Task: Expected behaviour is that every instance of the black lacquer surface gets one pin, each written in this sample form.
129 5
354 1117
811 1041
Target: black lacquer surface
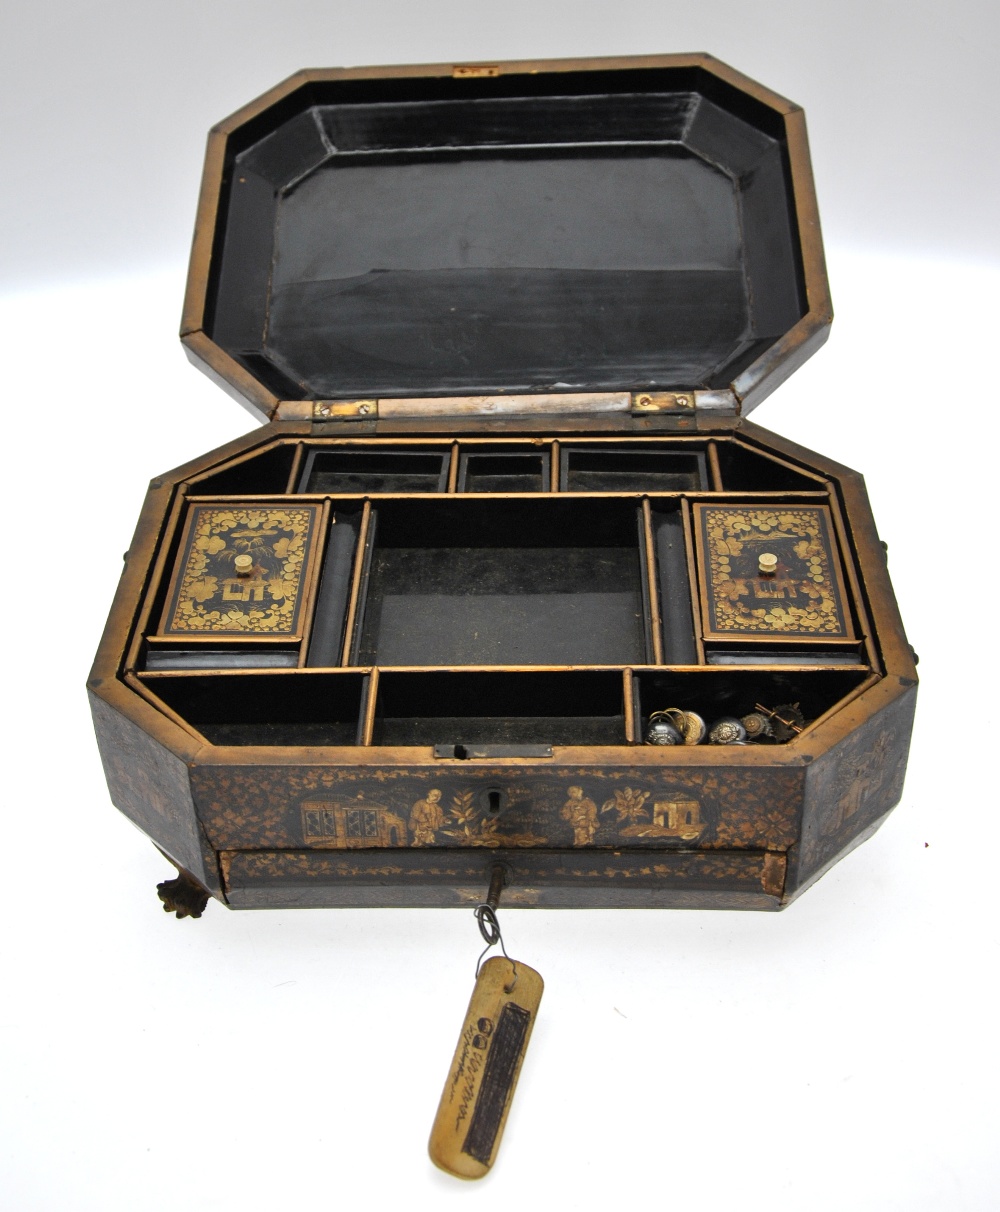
543 582
462 242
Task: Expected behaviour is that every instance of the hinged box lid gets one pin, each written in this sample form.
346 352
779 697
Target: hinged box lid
563 236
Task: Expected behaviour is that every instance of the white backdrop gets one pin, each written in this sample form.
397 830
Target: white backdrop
841 1054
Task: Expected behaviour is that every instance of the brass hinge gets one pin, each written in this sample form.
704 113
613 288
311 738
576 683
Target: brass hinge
471 71
345 410
663 401
720 400
326 410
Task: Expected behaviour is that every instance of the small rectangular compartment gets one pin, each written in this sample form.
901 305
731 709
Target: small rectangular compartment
716 692
568 707
744 469
267 472
631 469
503 471
293 708
345 470
479 581
673 583
326 641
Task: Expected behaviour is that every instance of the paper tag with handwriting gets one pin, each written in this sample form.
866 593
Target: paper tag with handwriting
480 1086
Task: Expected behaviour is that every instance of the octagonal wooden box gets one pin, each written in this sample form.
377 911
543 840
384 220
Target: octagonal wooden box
504 324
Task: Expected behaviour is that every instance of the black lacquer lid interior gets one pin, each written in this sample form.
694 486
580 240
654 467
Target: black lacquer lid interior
576 231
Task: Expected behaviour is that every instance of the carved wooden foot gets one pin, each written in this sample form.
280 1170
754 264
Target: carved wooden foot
183 896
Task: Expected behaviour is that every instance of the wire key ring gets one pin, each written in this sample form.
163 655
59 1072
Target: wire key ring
489 926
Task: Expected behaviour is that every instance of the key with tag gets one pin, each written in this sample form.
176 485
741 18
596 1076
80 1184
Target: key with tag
480 1087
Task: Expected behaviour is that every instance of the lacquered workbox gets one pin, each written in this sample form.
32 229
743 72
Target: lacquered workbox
506 576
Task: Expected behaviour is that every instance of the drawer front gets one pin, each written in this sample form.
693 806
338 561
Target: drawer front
543 878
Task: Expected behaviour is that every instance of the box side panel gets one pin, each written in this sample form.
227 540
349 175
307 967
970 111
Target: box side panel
651 809
850 789
151 786
268 879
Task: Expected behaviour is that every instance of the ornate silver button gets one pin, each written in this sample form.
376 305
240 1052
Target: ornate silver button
727 731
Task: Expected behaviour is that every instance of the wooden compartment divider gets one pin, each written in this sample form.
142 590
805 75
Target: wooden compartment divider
714 470
628 690
296 470
692 579
361 559
737 495
652 583
369 706
453 468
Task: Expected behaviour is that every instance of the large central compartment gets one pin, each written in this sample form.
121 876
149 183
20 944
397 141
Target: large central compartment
504 582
